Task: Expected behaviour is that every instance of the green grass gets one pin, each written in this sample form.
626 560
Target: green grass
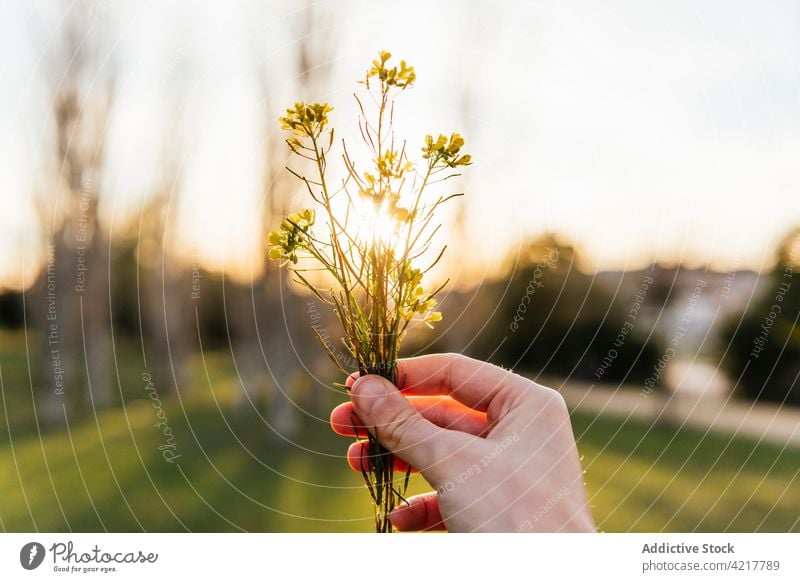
234 472
231 475
106 473
662 478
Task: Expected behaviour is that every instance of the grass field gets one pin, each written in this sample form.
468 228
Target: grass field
233 473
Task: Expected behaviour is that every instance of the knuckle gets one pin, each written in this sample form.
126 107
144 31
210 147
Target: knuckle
543 400
454 362
553 400
455 359
399 432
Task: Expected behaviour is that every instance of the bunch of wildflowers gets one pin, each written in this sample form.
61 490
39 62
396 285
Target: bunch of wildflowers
374 241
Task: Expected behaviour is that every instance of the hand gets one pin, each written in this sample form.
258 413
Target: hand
497 448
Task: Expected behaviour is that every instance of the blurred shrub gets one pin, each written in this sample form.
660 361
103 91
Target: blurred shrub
12 310
558 320
548 317
763 343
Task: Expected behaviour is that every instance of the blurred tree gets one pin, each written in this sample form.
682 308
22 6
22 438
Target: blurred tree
72 293
164 286
763 343
268 346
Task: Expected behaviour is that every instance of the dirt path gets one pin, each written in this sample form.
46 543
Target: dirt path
768 422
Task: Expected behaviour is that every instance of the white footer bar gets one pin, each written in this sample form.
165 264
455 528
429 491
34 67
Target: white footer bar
401 557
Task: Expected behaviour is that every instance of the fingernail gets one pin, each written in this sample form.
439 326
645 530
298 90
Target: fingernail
370 393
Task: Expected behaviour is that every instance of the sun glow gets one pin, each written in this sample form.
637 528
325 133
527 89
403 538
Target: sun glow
374 224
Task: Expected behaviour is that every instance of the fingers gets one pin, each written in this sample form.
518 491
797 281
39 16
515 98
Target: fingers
402 429
421 513
471 382
359 459
442 411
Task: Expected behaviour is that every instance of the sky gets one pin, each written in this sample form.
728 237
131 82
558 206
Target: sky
640 130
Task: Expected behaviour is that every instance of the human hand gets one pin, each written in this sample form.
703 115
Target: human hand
497 447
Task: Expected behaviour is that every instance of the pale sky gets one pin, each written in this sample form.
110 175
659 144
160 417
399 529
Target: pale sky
640 129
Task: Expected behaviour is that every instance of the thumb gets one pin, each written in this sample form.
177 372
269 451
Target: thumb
399 427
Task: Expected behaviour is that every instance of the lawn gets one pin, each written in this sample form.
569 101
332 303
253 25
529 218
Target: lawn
661 478
234 473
